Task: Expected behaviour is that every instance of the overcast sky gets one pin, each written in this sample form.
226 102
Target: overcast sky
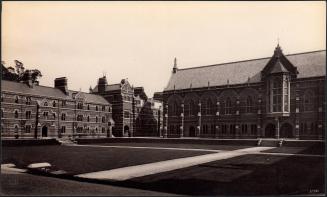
139 40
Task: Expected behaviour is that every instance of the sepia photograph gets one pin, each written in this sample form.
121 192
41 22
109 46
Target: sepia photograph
163 98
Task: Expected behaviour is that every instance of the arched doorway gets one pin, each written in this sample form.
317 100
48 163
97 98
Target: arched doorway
192 131
44 131
126 131
286 131
270 130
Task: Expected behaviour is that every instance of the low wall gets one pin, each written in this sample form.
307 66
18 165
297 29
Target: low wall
28 142
234 142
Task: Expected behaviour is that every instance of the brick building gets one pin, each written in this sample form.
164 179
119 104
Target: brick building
277 97
29 110
134 113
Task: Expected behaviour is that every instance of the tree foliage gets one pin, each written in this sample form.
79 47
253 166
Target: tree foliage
20 74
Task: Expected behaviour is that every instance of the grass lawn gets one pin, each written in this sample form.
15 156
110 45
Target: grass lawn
243 175
170 145
78 159
33 185
313 150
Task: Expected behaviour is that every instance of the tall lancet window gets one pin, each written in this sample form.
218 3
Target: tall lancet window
279 94
286 92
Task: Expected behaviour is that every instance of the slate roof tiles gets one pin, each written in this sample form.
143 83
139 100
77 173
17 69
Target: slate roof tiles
310 64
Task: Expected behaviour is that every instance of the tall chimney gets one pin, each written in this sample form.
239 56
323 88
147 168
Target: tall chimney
61 84
102 83
29 80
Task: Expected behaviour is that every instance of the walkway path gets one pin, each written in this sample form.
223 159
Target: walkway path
152 147
126 173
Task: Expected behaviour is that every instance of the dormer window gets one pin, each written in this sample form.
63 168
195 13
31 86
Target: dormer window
278 73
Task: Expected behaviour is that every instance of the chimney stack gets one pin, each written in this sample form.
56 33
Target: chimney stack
29 80
61 84
102 83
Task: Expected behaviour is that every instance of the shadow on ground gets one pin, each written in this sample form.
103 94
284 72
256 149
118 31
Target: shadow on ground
243 175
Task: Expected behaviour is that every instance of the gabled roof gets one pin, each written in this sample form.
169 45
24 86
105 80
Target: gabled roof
309 64
110 87
278 68
139 91
39 90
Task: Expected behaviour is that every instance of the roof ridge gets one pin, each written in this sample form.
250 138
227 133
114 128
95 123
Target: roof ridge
113 84
220 64
43 86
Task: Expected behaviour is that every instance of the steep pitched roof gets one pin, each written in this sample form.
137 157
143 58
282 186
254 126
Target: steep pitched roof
309 64
278 68
48 92
110 87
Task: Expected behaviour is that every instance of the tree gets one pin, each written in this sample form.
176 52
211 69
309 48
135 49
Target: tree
21 74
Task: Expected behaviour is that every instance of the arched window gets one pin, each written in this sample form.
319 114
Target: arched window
27 128
16 114
28 114
96 119
244 129
54 104
210 107
79 117
79 105
187 109
204 107
28 100
228 106
88 107
16 129
103 119
194 108
63 116
176 109
63 129
249 105
16 99
88 118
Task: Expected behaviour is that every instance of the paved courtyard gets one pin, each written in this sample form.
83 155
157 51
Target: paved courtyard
185 169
